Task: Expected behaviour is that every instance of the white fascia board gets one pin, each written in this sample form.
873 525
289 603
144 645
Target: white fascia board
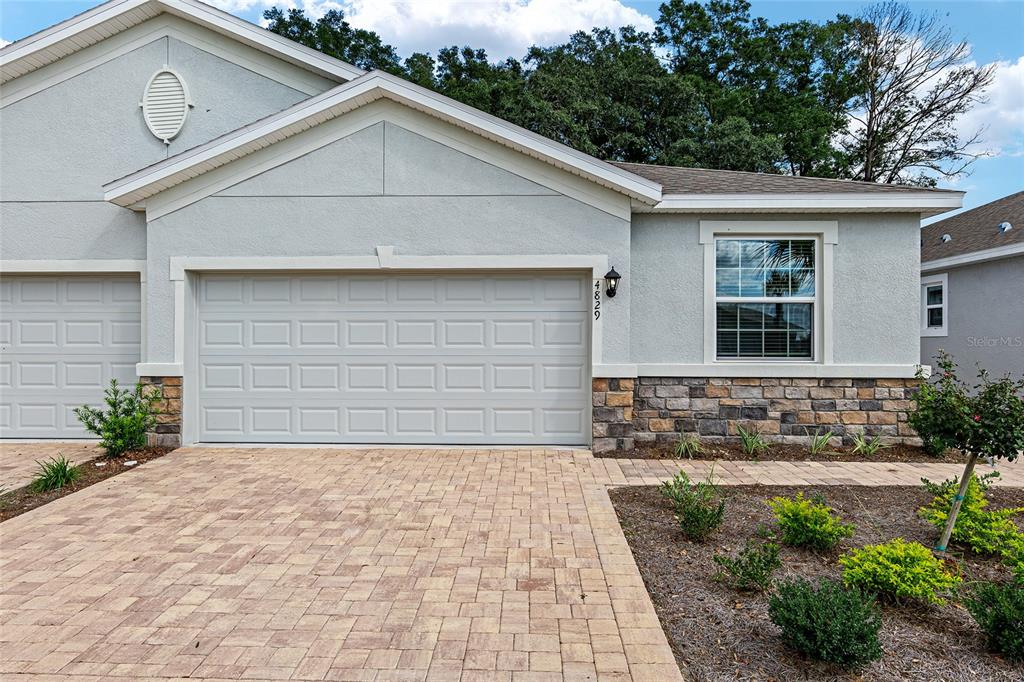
976 257
135 188
925 203
60 40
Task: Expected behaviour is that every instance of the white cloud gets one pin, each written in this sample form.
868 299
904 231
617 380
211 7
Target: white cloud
505 28
4 43
1002 116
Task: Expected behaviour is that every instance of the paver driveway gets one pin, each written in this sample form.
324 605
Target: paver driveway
332 564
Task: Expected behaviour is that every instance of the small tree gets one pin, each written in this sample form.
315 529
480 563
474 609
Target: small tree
987 421
130 414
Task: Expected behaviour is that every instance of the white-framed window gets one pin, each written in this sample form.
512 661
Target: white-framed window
766 297
935 305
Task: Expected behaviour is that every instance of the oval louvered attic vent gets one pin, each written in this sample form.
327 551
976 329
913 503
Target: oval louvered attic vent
165 104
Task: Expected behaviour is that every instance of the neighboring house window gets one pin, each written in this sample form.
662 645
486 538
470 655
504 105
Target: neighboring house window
934 305
765 297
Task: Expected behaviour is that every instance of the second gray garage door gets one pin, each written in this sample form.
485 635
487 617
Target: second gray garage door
454 359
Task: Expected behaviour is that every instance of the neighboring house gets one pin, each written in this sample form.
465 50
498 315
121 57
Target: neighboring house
299 251
972 288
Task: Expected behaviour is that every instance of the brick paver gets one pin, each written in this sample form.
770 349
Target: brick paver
330 564
18 460
352 565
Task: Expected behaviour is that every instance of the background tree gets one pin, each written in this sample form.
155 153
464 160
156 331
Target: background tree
334 36
871 98
916 82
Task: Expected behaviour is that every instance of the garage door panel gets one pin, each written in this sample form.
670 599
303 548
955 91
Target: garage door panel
402 293
63 339
405 359
398 376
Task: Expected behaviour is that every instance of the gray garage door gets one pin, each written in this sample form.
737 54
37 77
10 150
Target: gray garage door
397 359
62 339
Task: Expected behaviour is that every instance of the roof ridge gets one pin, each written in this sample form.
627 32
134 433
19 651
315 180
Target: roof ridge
783 175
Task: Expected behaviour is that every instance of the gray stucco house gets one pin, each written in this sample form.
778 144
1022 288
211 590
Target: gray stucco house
300 251
972 288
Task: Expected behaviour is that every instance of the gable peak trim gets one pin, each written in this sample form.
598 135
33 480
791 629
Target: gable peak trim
93 26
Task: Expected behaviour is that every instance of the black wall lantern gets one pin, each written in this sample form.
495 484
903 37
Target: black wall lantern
612 278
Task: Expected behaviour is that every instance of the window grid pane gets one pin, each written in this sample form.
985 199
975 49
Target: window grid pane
765 269
775 330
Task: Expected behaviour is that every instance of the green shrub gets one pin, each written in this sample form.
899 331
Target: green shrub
54 473
999 612
752 441
750 570
983 530
863 446
898 570
688 446
699 507
808 523
827 622
986 420
123 426
819 442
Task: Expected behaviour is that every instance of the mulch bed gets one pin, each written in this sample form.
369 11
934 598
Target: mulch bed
785 452
717 633
21 500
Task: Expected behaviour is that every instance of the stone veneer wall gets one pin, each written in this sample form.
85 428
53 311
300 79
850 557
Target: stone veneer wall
168 421
631 411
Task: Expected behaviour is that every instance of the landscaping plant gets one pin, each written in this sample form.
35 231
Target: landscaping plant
699 507
819 442
999 612
54 473
827 621
752 441
129 415
688 445
751 569
983 530
808 523
898 570
987 421
863 446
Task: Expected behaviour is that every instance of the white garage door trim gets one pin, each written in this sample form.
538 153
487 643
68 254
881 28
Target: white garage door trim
281 357
65 335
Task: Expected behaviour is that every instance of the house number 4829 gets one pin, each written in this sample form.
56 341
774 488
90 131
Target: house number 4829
597 299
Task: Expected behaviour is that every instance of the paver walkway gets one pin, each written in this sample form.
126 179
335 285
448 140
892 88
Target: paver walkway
18 460
349 565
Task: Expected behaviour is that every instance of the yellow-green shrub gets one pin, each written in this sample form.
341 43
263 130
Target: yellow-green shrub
898 569
983 530
808 523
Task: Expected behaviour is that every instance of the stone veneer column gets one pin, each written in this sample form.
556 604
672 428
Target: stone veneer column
168 422
613 414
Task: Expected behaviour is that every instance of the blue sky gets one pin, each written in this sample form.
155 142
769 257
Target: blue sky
995 29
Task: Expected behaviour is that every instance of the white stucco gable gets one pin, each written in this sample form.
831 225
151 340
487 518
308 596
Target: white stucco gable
465 128
62 40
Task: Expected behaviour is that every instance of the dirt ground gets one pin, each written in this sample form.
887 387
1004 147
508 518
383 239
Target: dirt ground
21 500
717 633
716 450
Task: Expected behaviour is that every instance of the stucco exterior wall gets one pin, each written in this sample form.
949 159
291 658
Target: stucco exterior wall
385 186
59 145
875 287
986 318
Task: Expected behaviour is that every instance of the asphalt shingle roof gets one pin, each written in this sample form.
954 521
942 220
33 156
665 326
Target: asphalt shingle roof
679 180
975 230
